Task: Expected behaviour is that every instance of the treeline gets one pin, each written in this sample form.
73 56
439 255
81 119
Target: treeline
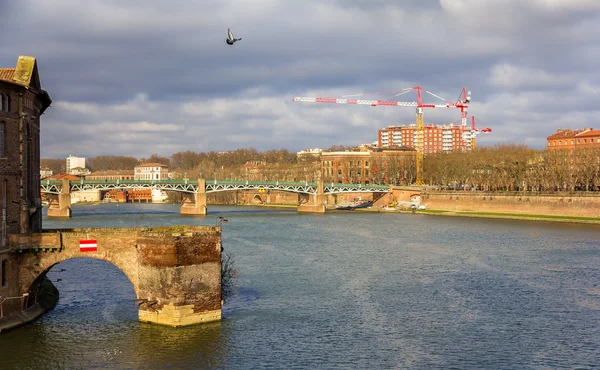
515 168
182 161
510 167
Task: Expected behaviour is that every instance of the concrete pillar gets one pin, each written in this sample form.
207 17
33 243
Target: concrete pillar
199 205
316 203
64 202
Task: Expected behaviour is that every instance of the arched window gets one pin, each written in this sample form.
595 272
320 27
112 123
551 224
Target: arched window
4 266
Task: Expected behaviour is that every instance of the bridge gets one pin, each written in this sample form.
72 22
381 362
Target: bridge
175 271
317 191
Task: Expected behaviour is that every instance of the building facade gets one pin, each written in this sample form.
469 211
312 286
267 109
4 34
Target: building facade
111 175
566 139
74 162
22 101
45 172
369 167
151 171
436 139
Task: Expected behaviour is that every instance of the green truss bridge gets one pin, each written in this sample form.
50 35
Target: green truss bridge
199 188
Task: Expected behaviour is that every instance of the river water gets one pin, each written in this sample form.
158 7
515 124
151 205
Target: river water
350 290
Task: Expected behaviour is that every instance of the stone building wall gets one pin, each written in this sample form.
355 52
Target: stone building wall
22 103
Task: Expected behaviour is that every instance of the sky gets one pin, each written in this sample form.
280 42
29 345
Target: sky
139 77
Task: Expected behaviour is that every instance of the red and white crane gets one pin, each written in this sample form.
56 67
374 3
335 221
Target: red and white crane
461 103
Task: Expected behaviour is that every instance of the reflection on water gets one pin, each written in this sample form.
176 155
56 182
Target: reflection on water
344 290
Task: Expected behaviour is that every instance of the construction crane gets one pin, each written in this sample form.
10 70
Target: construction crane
468 137
461 103
475 131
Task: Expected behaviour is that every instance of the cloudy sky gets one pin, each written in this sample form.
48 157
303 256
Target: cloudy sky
136 77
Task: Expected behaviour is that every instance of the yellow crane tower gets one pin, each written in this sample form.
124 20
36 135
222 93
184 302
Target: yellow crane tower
462 103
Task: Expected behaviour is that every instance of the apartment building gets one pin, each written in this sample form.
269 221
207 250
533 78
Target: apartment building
74 162
436 138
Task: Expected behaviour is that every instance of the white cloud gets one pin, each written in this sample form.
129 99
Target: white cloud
509 76
144 75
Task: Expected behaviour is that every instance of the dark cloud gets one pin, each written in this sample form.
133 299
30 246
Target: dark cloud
140 77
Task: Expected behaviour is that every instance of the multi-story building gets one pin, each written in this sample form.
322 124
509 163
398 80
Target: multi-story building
369 167
22 101
151 171
45 172
74 162
436 139
574 139
309 153
111 175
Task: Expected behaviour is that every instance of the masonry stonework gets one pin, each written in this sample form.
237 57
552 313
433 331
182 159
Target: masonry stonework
565 205
175 271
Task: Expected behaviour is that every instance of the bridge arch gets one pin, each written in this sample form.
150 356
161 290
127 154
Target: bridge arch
44 261
256 199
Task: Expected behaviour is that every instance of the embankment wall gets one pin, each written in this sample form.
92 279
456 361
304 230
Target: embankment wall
564 205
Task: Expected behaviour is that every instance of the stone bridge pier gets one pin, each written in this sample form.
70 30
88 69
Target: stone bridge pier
199 205
316 202
63 208
175 271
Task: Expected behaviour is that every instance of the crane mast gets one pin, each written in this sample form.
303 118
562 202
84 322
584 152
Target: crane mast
462 103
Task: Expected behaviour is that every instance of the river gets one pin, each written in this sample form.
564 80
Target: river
352 290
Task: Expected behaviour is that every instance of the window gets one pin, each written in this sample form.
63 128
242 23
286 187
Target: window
4 266
2 131
5 102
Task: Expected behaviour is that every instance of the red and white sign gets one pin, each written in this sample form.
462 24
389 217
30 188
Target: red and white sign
88 245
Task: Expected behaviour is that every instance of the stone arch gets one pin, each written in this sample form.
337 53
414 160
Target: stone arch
257 199
46 260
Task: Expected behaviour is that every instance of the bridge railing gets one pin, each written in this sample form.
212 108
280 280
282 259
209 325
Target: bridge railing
265 184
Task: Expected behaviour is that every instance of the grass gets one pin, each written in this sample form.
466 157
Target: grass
516 215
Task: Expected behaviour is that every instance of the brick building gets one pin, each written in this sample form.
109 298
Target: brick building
436 138
22 101
562 139
369 167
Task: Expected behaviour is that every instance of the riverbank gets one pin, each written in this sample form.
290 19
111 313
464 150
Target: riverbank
482 214
47 300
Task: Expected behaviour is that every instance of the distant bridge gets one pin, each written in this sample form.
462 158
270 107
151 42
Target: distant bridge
210 186
199 188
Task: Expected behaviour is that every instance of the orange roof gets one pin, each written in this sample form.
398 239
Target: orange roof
591 133
60 176
7 74
152 165
564 134
112 172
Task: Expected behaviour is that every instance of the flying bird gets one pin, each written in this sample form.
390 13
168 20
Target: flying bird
230 39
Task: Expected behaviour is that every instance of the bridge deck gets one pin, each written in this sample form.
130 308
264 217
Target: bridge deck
191 186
